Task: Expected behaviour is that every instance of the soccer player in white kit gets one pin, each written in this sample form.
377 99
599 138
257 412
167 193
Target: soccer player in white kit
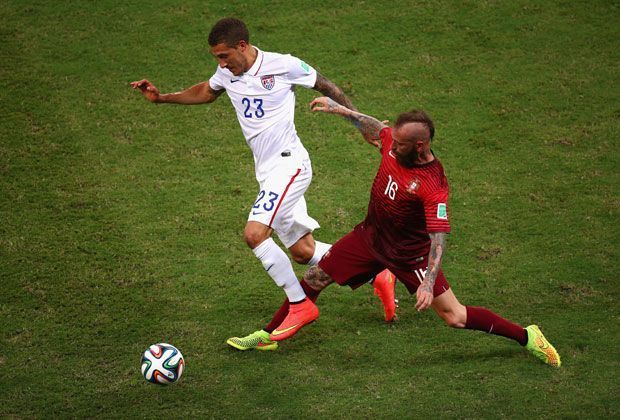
261 87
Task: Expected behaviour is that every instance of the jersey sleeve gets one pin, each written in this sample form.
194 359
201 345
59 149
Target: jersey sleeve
386 139
300 73
436 212
216 81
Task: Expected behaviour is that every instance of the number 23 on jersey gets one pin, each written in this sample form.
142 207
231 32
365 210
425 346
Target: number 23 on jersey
253 108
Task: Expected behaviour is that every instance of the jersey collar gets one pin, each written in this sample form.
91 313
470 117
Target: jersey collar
253 71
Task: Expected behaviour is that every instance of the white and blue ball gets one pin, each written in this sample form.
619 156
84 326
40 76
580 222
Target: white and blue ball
162 364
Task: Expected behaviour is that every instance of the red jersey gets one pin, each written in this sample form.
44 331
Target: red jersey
406 204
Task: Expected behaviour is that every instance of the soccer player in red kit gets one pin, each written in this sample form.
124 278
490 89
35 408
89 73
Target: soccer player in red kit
404 231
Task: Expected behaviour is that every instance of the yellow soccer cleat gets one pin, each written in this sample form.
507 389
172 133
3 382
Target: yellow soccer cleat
258 340
541 348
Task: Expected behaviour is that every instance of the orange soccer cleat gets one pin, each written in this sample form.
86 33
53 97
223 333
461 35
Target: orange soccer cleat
299 315
384 285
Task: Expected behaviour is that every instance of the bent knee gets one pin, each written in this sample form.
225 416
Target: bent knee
252 240
254 237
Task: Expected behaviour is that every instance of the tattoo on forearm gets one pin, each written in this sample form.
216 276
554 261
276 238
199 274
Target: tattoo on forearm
438 243
367 125
329 89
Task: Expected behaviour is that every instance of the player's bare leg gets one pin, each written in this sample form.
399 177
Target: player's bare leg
450 309
308 250
457 315
274 259
304 249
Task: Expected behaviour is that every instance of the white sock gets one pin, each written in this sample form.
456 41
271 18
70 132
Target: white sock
279 267
320 249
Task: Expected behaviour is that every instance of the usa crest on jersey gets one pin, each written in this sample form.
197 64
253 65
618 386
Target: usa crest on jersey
268 82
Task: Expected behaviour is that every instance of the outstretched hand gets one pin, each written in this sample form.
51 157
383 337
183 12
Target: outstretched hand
148 89
324 104
368 126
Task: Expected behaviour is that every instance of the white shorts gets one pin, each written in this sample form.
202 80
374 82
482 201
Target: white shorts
281 205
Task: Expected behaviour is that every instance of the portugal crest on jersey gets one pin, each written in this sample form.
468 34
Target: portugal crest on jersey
268 82
413 186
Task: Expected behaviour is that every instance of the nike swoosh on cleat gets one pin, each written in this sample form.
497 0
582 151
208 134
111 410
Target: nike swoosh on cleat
542 343
278 332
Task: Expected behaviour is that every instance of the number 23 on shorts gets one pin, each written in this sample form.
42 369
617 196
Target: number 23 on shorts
265 203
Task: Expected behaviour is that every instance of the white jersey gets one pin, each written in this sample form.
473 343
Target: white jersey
264 99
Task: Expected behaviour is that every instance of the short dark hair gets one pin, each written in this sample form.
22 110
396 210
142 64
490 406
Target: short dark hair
416 116
229 31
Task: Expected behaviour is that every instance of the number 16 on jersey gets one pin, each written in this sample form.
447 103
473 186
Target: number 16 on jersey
391 188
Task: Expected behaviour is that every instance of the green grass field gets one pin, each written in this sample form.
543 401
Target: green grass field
121 221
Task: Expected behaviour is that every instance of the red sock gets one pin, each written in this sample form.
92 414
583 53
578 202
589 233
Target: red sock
283 311
482 319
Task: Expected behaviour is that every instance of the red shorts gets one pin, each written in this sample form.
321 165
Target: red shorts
351 262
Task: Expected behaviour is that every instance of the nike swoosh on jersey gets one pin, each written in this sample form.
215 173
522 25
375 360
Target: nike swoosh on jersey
391 154
254 213
278 332
235 80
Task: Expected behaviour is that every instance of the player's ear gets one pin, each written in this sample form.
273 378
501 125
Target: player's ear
421 145
242 45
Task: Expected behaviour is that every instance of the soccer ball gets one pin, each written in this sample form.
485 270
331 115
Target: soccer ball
162 364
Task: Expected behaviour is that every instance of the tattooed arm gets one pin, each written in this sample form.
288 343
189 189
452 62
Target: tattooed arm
370 127
329 89
424 295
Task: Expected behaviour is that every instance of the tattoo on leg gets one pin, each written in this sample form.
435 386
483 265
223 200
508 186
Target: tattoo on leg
317 278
